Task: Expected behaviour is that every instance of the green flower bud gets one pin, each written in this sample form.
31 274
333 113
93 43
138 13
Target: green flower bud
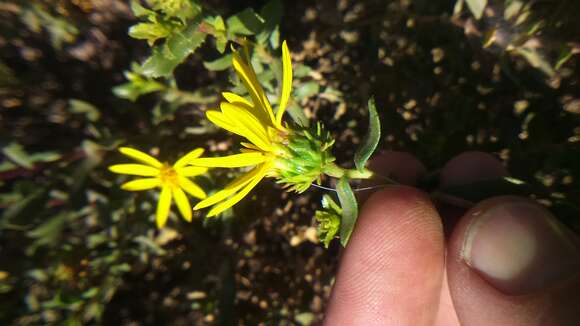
303 156
328 220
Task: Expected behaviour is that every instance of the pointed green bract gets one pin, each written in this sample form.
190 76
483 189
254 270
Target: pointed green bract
371 140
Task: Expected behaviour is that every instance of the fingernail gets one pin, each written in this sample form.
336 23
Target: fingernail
519 247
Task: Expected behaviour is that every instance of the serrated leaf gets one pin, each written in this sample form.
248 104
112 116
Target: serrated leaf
349 209
476 7
174 51
371 140
219 64
246 22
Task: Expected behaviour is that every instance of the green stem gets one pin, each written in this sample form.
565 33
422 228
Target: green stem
336 171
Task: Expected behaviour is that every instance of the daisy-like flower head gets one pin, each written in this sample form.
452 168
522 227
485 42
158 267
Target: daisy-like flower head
173 180
272 148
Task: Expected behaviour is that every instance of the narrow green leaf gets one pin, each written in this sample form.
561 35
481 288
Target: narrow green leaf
297 115
349 209
476 7
219 64
139 10
371 140
306 90
174 51
16 153
82 107
246 22
272 13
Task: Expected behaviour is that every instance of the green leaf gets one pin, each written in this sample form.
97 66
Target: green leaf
82 107
349 209
537 60
219 64
476 7
246 22
272 13
297 115
137 86
371 139
49 232
16 153
139 10
306 90
150 32
174 51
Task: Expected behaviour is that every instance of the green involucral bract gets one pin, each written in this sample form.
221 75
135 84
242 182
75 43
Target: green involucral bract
304 157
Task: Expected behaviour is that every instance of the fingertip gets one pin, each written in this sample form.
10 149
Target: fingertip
511 263
391 270
469 167
403 167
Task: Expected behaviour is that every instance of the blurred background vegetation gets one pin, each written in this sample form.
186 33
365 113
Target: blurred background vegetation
78 78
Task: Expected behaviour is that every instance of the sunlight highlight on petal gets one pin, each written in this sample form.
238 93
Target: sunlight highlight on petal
140 156
249 126
191 171
191 188
134 169
230 161
248 77
235 98
229 190
163 207
220 120
286 83
141 184
183 161
240 195
182 204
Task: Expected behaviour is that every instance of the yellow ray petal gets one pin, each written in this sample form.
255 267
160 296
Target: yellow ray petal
182 203
134 169
248 77
220 120
191 188
163 206
141 184
230 161
250 110
248 125
184 160
229 190
235 98
286 83
191 171
250 146
240 195
140 156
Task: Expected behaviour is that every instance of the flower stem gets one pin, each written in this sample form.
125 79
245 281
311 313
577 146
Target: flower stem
336 171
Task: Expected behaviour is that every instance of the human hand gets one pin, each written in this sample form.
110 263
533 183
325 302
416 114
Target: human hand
506 261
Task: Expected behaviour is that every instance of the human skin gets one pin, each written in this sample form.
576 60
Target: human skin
505 261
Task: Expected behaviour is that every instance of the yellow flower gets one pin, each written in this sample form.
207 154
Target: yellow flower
172 180
255 121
